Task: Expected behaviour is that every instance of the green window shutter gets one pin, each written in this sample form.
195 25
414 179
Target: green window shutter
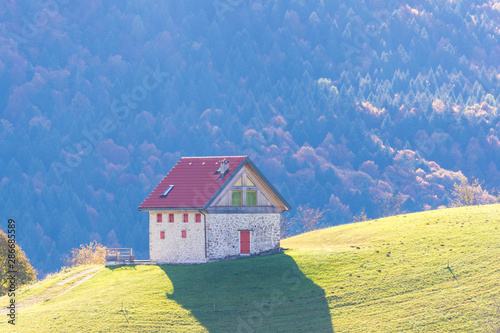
251 198
237 198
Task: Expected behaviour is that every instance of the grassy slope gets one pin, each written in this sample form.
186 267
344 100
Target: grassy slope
385 275
414 290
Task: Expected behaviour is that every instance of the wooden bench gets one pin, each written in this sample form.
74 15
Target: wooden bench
119 255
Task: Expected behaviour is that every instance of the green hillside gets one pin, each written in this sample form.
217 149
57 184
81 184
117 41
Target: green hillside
435 271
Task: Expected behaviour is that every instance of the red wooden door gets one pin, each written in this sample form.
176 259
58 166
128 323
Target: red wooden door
244 242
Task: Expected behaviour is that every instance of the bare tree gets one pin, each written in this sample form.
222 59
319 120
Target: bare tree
465 193
389 204
286 225
310 218
471 193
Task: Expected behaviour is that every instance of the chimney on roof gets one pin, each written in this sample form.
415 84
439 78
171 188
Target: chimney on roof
224 168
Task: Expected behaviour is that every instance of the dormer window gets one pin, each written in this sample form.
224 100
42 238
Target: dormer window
167 191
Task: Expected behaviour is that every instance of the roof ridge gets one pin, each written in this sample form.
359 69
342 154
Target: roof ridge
214 156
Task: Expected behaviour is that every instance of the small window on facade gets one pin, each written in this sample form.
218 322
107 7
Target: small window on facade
167 191
198 218
249 182
237 198
159 218
238 182
162 234
251 198
186 217
171 218
183 233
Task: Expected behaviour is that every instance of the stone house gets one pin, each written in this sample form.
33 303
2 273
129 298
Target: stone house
210 208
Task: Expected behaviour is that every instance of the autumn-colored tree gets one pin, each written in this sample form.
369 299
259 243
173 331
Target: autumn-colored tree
24 272
361 217
88 254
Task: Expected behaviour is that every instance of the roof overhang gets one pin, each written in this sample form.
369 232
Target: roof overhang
285 203
261 175
145 209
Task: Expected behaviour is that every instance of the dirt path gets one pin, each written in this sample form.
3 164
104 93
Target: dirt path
95 270
71 278
47 294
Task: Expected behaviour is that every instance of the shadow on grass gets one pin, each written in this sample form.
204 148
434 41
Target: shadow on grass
120 267
261 294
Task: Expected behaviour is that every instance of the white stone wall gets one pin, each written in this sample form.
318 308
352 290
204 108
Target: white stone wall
174 248
224 237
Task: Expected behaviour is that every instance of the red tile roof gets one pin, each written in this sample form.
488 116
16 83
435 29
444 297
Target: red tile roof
195 182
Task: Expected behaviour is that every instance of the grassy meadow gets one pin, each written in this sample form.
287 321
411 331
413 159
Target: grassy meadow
436 271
